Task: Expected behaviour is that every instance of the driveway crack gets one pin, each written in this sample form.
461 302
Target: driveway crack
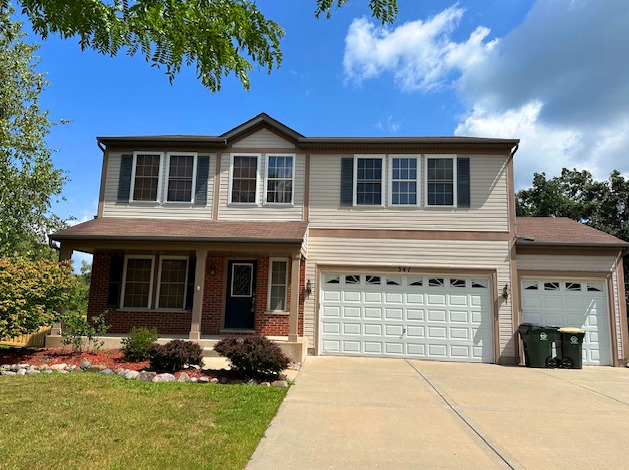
502 455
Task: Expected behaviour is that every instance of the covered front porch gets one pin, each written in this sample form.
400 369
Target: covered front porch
195 280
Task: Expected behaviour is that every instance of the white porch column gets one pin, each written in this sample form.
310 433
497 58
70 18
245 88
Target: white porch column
293 318
65 253
197 302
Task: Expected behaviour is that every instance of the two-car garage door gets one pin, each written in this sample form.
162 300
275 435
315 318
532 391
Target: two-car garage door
437 317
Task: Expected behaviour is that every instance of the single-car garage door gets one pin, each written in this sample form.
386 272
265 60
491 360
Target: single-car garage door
437 317
576 303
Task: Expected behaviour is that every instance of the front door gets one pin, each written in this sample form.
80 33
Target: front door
241 295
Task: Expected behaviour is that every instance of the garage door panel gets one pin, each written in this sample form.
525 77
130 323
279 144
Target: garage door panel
331 296
382 318
572 304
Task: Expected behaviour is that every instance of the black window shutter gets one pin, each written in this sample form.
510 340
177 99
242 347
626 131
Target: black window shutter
116 264
463 182
347 181
192 265
203 169
124 181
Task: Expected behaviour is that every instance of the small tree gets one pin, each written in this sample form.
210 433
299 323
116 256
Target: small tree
30 291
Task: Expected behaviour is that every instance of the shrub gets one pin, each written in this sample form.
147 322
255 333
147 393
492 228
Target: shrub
78 327
136 347
253 356
173 355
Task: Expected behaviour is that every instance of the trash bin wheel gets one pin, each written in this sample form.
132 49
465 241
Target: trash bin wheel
566 363
551 363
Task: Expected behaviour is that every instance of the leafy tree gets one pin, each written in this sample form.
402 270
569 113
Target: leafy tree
79 295
30 291
576 194
220 36
28 179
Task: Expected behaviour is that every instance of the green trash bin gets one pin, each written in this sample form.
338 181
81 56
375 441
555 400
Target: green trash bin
540 346
524 330
570 347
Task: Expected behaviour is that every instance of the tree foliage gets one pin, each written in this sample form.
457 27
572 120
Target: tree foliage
30 291
218 36
28 179
603 205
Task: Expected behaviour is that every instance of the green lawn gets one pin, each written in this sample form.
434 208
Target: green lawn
92 421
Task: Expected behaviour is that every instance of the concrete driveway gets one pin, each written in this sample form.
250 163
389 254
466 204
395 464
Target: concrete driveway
357 413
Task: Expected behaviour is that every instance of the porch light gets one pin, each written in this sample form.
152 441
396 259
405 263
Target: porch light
212 270
308 287
505 291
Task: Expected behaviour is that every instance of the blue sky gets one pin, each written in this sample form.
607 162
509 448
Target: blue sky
553 73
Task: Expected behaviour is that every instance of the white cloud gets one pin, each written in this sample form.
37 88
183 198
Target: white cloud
420 54
559 81
391 125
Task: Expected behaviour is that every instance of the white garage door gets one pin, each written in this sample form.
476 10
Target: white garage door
576 303
429 317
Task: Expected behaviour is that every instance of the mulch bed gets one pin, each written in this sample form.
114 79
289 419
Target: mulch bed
112 358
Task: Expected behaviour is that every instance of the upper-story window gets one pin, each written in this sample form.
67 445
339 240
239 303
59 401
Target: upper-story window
368 181
280 176
181 177
441 181
244 178
404 180
146 176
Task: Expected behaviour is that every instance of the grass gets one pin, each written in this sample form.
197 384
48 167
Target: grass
92 421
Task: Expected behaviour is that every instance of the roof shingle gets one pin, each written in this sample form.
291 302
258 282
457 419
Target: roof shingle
561 231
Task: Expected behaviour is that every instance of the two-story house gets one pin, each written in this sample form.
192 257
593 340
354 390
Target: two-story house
401 247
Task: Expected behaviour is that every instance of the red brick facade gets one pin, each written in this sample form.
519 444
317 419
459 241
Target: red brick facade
178 322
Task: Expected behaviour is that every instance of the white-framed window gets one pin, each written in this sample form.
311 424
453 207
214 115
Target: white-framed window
181 173
404 180
244 170
279 184
146 176
137 281
440 180
278 285
172 281
368 180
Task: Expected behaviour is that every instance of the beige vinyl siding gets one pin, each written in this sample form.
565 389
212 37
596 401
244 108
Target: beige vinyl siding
488 211
261 211
604 264
264 138
565 263
418 255
112 208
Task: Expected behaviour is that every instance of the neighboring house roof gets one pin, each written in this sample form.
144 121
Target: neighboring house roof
119 228
561 231
263 120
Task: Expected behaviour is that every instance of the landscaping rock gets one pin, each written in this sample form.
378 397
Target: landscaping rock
5 366
280 384
61 366
85 365
251 382
44 367
8 372
131 375
214 380
32 371
164 378
21 372
23 366
96 368
106 371
121 372
266 384
193 380
46 371
204 380
63 371
144 376
183 377
223 380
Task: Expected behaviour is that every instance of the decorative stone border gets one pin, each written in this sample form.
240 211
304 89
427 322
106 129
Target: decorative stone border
143 375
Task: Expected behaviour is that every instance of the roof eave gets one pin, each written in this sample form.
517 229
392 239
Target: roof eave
143 238
567 244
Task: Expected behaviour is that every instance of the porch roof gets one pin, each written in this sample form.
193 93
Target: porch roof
119 228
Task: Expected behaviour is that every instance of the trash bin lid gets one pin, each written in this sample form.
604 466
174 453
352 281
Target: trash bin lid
571 330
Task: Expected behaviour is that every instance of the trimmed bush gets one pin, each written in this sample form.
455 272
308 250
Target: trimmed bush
136 347
253 356
173 355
